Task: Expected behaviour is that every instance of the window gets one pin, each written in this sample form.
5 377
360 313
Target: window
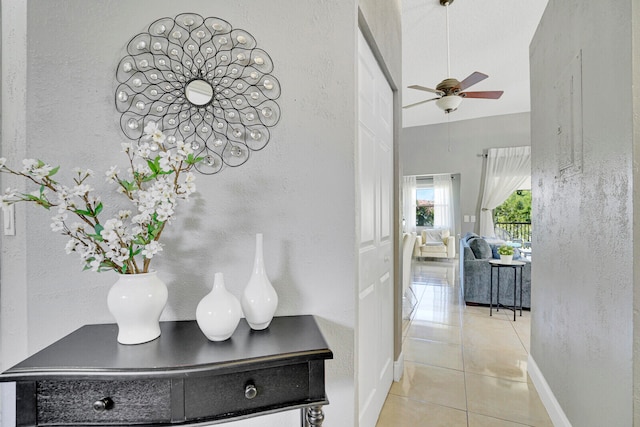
424 203
512 218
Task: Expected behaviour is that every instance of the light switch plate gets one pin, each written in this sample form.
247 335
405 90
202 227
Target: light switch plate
9 220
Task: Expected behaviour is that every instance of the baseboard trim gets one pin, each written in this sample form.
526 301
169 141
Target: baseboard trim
398 367
549 400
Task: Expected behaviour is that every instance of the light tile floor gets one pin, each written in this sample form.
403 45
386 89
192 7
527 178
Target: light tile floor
462 367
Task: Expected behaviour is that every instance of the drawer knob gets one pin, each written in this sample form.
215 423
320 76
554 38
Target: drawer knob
103 404
250 391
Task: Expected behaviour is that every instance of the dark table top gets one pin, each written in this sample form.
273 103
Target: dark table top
181 350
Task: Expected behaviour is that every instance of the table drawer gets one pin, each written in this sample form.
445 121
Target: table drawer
131 402
226 395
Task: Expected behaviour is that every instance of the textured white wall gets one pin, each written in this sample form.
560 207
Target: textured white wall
582 317
457 147
299 191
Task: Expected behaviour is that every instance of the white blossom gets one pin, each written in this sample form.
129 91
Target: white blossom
112 230
29 164
36 168
71 246
152 197
164 211
153 130
58 222
144 150
183 150
83 172
77 227
81 190
112 173
8 197
167 161
127 147
151 249
141 219
94 265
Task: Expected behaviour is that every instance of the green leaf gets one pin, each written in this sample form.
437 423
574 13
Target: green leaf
98 209
193 160
129 186
83 212
54 171
139 241
154 165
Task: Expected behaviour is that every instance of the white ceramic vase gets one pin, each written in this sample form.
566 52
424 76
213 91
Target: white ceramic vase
506 258
136 301
219 312
259 299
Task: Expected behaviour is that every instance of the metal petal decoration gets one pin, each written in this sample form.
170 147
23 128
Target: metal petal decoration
205 83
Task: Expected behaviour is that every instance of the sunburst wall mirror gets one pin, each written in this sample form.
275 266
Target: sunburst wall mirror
205 83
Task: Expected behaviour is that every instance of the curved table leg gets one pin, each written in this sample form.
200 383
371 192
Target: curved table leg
313 416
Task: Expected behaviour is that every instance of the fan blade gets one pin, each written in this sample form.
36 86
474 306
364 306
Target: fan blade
471 80
492 94
419 103
426 89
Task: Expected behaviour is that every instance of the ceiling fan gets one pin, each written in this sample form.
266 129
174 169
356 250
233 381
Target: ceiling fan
450 91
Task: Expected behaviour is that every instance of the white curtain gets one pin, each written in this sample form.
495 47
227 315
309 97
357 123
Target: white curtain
508 170
443 202
409 203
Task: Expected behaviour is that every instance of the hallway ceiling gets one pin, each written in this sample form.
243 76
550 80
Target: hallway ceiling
488 36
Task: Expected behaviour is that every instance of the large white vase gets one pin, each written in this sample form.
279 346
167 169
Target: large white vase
259 299
219 312
136 301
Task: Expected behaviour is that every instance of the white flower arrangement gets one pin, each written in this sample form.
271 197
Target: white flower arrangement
158 176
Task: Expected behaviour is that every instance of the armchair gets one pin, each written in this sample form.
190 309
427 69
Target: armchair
435 243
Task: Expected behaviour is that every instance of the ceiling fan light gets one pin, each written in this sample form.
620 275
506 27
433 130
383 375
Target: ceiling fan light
449 103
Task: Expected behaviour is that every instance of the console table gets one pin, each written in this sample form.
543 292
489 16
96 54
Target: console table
181 378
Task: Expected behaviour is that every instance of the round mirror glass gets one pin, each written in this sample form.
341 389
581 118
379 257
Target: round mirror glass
199 92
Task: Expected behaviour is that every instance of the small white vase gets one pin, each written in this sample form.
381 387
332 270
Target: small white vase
219 312
137 301
259 299
506 258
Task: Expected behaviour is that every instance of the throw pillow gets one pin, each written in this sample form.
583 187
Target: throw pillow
480 248
469 235
433 236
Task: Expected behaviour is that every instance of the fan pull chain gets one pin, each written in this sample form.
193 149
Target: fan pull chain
448 133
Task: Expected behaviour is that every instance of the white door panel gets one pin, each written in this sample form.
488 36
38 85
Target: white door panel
366 158
375 276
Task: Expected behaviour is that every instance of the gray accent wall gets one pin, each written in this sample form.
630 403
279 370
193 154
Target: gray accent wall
585 208
58 95
457 148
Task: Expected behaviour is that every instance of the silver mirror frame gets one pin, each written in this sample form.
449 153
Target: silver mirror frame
204 83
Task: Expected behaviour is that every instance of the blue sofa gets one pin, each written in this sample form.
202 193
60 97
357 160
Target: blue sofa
475 274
